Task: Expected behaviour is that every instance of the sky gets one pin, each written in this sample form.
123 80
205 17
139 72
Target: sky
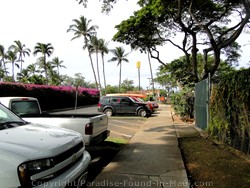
47 21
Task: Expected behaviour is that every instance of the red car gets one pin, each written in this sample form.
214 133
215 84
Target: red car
142 101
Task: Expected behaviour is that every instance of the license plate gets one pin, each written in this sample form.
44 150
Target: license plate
82 180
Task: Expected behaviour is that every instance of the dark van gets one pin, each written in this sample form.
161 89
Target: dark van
112 105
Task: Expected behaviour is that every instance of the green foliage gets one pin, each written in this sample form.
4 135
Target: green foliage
112 89
183 102
127 85
230 110
180 71
204 26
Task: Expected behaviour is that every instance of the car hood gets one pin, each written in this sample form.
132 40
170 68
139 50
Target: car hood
35 141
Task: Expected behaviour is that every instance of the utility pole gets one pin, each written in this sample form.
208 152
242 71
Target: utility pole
138 66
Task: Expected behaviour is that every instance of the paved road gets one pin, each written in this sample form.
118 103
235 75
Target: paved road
125 127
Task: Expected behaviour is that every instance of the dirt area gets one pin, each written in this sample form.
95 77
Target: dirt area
213 164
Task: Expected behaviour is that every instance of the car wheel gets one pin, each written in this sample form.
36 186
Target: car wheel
109 112
142 113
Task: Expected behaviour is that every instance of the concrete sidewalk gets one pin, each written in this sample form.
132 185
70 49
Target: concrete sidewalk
151 159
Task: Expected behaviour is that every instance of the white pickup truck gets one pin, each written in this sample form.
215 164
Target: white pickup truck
38 156
93 127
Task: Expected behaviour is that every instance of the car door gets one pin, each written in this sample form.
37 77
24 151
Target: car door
115 103
127 106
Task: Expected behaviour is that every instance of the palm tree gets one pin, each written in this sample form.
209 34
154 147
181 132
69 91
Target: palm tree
53 75
103 48
12 58
119 56
32 69
93 47
81 28
2 62
45 50
20 49
57 63
24 76
2 56
40 64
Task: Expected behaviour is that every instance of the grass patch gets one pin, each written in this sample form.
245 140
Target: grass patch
117 140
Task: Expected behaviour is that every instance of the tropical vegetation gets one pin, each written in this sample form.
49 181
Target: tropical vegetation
119 56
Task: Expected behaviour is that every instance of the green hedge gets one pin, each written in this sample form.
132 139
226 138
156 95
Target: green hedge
51 97
183 103
229 110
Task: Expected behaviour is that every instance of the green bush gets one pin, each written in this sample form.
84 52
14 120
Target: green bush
229 110
183 102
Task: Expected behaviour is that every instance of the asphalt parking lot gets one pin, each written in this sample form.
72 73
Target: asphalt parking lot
125 127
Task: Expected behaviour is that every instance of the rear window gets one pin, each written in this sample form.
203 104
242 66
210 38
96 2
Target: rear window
115 100
105 100
25 107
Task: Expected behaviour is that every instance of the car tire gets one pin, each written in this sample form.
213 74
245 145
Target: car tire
142 113
108 112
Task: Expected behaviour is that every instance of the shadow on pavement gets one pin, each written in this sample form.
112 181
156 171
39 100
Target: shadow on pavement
101 156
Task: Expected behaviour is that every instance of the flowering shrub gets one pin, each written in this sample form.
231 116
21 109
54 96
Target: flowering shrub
51 97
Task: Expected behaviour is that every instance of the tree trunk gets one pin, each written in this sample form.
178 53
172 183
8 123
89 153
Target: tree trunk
151 72
104 78
120 75
98 74
93 69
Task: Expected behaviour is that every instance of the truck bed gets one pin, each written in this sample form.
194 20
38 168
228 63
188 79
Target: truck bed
97 124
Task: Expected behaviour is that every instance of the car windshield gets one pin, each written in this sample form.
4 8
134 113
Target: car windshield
7 116
139 99
132 99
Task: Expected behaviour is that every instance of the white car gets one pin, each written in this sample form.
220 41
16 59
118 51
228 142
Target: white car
33 155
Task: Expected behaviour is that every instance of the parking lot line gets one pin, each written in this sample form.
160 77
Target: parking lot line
123 122
123 126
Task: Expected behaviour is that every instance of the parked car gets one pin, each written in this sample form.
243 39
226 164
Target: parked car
150 105
36 155
153 103
111 105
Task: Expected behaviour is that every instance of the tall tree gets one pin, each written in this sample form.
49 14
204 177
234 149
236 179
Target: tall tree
12 58
82 28
45 50
103 47
119 56
2 63
211 27
93 47
21 51
54 77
